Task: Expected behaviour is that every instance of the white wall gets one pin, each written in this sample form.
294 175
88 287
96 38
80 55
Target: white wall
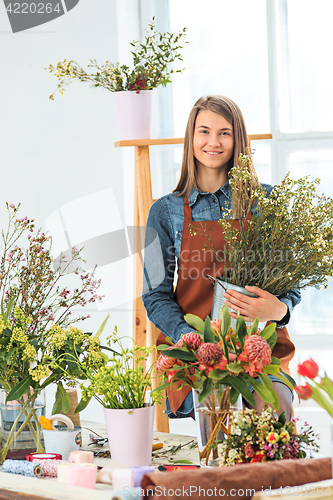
54 153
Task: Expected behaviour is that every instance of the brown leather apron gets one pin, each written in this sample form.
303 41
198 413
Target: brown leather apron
194 292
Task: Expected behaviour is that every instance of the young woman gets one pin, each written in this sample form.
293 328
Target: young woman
215 136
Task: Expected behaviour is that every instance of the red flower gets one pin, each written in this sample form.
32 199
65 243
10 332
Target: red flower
304 391
209 353
258 352
308 369
164 363
258 457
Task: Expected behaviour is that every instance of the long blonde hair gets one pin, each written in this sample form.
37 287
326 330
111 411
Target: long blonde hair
230 111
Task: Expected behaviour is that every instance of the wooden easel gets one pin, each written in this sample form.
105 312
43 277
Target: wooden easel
143 199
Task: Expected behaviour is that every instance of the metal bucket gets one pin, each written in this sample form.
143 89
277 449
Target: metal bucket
220 287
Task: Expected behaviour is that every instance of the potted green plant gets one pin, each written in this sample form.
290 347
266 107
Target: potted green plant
132 87
122 386
220 363
38 342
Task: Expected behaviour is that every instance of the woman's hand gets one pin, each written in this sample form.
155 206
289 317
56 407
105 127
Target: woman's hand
266 306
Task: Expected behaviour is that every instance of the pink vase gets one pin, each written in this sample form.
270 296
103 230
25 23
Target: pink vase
130 435
134 114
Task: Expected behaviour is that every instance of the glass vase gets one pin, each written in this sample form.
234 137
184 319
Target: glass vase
213 421
20 428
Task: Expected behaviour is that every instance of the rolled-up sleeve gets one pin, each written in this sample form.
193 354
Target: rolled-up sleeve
159 268
291 299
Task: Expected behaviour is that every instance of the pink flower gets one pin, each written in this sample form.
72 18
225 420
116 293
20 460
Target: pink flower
308 369
164 363
248 451
192 341
216 324
258 352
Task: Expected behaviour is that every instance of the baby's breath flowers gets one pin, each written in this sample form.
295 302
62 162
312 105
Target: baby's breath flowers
263 437
151 65
288 241
122 382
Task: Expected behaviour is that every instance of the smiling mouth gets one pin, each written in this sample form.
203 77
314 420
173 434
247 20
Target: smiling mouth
213 153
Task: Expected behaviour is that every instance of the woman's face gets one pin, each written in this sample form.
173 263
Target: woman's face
213 141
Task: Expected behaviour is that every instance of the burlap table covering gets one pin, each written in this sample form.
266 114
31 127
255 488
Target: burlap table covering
237 482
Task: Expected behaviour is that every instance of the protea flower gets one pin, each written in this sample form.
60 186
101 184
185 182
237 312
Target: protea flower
216 324
209 353
258 354
192 341
164 363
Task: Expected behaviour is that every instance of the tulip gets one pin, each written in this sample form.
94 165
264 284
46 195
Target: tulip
304 391
308 369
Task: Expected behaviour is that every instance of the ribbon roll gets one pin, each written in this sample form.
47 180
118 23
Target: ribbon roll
43 456
59 417
81 457
49 466
22 467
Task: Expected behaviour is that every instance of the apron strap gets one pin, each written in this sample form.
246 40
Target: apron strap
187 210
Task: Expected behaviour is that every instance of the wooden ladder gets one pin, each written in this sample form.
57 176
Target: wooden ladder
143 199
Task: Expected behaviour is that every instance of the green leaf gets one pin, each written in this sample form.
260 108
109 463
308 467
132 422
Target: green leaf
8 332
206 390
218 374
268 331
241 331
161 387
272 340
82 404
327 385
235 367
195 321
233 395
272 369
282 418
9 354
19 389
241 386
185 462
179 354
254 327
62 401
101 328
225 320
161 347
9 309
4 341
208 335
275 361
289 381
265 393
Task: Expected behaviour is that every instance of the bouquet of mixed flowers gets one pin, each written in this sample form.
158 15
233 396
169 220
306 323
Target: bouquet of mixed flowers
218 356
287 241
38 343
261 438
321 390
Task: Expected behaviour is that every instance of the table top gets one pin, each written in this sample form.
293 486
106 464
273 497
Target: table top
18 487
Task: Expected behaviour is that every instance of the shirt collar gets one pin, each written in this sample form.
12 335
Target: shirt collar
225 189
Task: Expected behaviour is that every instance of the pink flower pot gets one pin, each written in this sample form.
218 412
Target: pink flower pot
130 435
134 114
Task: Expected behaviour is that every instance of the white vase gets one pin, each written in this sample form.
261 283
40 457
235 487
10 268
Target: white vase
130 435
134 114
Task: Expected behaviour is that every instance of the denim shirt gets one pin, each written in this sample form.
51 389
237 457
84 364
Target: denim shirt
162 253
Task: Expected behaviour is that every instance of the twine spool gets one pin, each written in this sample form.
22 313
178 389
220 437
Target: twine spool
75 417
